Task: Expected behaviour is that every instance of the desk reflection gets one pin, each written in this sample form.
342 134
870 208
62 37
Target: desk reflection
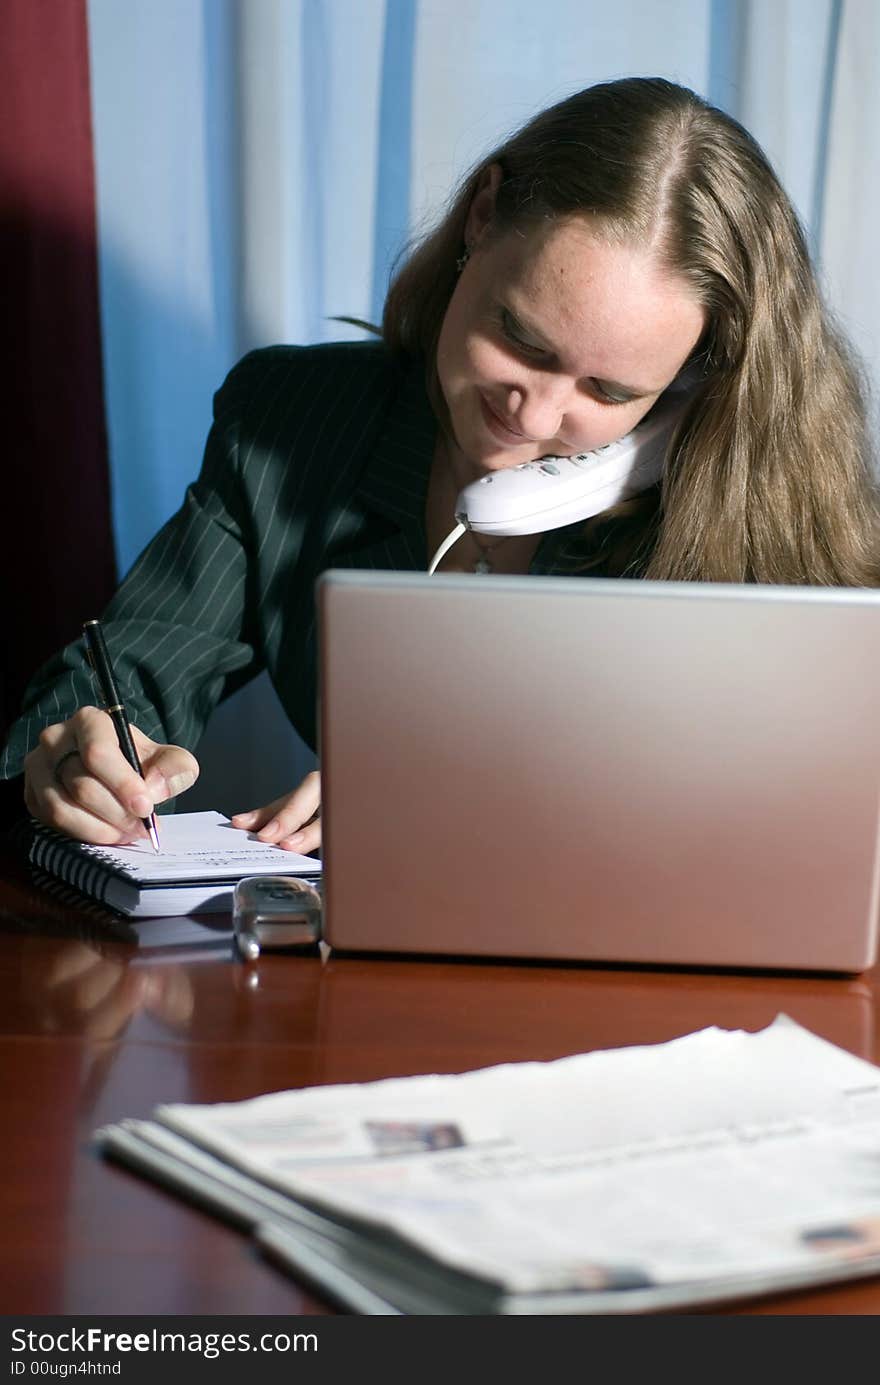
98 995
457 1016
95 1031
438 1012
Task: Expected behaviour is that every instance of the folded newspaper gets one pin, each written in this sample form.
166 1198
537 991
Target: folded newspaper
717 1166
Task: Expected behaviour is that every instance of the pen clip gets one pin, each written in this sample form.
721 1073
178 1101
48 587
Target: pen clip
100 691
97 694
97 690
88 647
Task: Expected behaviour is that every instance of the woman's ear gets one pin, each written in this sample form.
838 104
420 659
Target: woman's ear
482 207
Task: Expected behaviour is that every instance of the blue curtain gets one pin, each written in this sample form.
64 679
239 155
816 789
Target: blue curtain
260 164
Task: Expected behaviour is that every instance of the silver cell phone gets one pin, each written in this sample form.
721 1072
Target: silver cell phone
277 913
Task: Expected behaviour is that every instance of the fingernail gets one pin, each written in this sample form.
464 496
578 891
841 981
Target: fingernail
179 783
270 830
141 806
293 841
244 818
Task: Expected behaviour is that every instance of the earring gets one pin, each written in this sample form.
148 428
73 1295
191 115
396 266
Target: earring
463 258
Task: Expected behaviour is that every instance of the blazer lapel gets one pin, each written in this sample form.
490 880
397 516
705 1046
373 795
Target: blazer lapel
394 483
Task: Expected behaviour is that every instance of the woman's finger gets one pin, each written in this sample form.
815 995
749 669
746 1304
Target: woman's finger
78 781
278 821
77 805
169 770
305 840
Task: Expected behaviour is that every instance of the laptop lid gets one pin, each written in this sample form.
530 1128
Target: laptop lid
575 768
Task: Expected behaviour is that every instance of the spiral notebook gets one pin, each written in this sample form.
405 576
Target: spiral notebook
202 858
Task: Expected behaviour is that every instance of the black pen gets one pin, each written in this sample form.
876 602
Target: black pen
99 658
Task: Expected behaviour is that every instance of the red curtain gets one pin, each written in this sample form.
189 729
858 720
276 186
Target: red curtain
57 562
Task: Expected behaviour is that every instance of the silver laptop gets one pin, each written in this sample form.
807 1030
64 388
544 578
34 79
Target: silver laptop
603 771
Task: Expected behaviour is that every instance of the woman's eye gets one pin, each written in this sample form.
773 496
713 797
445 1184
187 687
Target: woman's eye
512 332
607 396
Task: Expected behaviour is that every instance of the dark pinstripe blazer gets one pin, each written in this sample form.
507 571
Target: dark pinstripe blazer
318 457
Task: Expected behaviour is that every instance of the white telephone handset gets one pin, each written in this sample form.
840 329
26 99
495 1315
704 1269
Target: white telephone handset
554 491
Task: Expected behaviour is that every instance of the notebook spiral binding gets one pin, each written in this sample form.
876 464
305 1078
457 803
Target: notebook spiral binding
62 858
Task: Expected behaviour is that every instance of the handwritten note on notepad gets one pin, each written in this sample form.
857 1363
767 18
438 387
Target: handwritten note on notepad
201 846
202 857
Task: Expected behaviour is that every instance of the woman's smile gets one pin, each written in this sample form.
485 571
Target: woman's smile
556 342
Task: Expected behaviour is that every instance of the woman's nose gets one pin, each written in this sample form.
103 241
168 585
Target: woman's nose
539 406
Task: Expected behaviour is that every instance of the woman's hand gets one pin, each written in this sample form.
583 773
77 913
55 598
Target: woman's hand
78 780
291 821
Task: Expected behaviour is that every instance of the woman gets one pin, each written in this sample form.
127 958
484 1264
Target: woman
628 236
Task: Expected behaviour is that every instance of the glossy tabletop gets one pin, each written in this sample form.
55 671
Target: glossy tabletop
93 1030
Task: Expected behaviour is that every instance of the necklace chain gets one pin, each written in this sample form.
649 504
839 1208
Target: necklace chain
483 563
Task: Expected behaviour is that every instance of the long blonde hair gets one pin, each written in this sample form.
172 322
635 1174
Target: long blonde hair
769 478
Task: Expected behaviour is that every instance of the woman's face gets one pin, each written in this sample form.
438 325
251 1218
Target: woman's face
556 342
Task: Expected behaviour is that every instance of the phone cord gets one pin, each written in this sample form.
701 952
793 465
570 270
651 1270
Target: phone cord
447 544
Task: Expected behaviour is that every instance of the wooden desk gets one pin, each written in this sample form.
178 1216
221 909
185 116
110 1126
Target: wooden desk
94 1031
